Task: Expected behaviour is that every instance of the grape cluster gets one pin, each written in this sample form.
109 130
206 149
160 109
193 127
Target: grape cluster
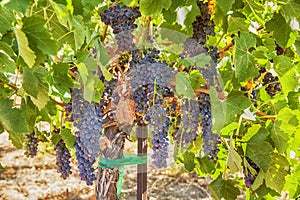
143 74
88 123
85 163
68 110
31 144
203 25
249 177
190 118
210 139
122 21
63 159
159 136
272 83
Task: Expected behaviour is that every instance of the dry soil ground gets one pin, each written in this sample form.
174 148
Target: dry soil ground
37 179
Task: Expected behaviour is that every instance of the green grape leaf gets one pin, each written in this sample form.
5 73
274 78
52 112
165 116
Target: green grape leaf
200 60
220 18
79 31
103 57
188 162
259 180
90 4
243 60
42 98
237 24
189 14
151 7
225 5
61 80
259 150
38 35
280 33
55 138
13 121
206 165
30 82
183 85
275 176
285 125
7 64
196 79
251 132
223 111
223 189
291 8
292 183
286 71
30 111
62 14
227 130
293 100
17 5
6 19
68 137
234 160
23 46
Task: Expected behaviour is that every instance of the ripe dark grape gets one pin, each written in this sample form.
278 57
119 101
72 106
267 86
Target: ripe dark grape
250 176
272 83
68 110
31 144
160 142
210 139
63 159
85 164
88 123
144 74
190 118
122 21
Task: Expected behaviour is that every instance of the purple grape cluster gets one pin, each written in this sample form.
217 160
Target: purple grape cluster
68 110
203 25
160 123
190 119
63 157
122 21
271 82
143 74
249 177
210 139
31 144
88 123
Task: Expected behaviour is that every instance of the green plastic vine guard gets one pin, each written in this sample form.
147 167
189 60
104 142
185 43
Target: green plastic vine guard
128 159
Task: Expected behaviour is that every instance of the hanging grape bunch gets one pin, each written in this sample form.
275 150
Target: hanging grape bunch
31 144
122 21
63 157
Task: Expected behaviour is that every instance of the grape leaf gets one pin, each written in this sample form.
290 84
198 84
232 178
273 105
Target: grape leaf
223 189
243 60
61 80
68 137
237 24
280 33
294 101
223 111
30 82
79 31
38 35
259 150
17 5
13 121
286 71
42 98
200 60
30 111
189 163
285 125
7 64
234 160
6 19
151 7
225 5
183 85
275 176
227 130
90 4
220 18
23 46
291 8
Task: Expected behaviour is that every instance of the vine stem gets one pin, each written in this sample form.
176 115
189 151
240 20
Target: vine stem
62 104
12 86
104 33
